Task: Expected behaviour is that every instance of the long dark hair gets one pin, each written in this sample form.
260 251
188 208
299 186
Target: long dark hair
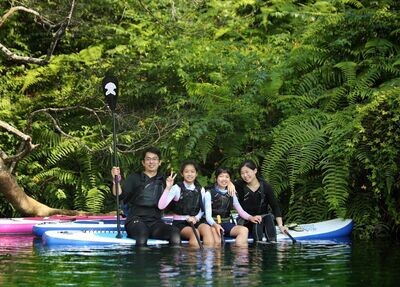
251 165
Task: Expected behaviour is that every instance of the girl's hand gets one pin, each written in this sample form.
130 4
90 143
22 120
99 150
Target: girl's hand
219 229
255 219
231 189
192 219
170 180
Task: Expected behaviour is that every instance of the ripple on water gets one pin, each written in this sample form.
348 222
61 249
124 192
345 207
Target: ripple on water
304 264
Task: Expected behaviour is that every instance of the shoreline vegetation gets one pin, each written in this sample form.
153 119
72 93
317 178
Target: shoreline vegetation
309 91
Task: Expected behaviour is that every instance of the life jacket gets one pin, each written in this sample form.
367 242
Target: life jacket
190 201
221 204
151 191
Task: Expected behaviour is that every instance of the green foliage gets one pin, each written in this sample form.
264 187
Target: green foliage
307 89
345 77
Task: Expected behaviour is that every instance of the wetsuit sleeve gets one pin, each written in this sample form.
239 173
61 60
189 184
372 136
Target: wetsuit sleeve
168 195
239 186
271 199
201 212
208 208
243 214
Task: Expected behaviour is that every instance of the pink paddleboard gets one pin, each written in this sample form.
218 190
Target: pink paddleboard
24 225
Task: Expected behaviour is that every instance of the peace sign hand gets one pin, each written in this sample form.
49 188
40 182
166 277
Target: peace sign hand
170 180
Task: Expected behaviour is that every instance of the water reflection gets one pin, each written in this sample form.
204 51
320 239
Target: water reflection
15 242
228 266
27 263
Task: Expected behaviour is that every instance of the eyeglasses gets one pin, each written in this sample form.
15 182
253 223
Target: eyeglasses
151 159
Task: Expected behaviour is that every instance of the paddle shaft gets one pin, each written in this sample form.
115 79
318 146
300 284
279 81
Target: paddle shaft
116 181
291 237
196 235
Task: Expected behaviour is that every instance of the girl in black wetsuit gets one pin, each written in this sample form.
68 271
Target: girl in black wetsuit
256 195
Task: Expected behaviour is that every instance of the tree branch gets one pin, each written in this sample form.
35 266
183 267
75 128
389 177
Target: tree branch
48 111
155 132
56 36
25 147
15 131
27 10
21 59
60 32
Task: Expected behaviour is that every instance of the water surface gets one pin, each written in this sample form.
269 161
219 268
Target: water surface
24 261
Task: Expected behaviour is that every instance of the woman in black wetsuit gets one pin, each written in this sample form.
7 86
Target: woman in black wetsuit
256 196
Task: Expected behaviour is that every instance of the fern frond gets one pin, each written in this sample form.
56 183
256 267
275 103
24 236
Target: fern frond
56 174
307 83
379 46
307 203
94 199
349 70
335 98
206 145
362 208
63 150
300 144
335 180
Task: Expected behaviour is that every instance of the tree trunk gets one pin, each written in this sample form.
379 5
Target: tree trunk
25 204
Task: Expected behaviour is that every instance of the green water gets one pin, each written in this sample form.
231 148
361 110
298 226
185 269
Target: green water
25 262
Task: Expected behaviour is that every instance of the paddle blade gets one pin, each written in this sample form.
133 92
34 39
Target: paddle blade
110 89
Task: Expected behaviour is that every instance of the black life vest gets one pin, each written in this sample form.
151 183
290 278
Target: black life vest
221 203
190 201
150 192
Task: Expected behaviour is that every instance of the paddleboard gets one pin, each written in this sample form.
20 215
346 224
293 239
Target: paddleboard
81 225
330 229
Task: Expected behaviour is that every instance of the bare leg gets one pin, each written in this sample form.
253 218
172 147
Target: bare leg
241 233
206 234
188 233
216 236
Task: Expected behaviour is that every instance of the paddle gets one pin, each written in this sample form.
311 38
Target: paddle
196 235
290 236
110 88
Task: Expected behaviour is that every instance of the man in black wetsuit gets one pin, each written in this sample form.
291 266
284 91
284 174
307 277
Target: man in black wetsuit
141 191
